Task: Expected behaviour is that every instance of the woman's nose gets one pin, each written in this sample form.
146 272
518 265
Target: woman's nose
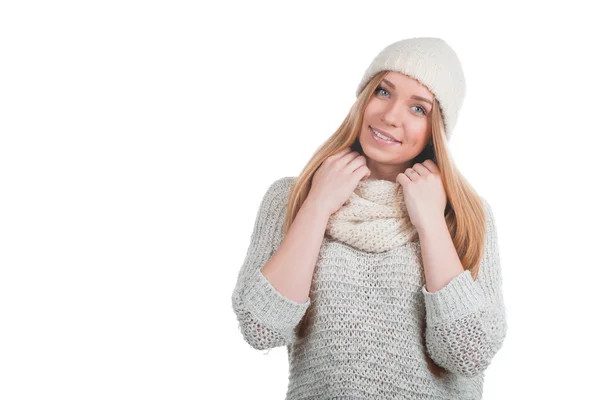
391 116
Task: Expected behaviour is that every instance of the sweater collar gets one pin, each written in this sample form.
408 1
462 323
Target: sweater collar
369 220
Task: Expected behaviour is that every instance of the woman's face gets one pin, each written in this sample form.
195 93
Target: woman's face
401 108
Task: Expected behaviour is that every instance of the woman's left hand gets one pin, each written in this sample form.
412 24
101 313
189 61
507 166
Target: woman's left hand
424 194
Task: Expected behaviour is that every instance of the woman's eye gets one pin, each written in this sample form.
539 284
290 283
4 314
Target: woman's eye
422 110
379 88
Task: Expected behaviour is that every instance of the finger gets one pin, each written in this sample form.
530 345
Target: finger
354 163
431 166
402 179
411 174
340 153
362 171
420 169
349 157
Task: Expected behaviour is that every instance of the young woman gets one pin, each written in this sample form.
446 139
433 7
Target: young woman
378 267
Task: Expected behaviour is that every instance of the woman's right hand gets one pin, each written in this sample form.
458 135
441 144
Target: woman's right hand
336 179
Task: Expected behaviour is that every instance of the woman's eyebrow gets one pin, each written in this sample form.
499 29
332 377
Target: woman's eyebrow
414 96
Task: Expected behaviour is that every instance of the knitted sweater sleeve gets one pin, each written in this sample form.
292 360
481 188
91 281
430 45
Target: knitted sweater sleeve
266 318
466 319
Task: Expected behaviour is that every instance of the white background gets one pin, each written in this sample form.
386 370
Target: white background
137 139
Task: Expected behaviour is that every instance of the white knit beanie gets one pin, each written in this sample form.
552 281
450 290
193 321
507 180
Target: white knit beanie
433 63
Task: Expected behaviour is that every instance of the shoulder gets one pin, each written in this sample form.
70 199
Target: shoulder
284 183
281 186
278 191
490 221
487 208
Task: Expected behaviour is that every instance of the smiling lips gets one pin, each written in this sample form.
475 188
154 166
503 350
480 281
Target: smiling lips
384 133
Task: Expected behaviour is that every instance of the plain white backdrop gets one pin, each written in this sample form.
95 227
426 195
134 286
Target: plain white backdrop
138 137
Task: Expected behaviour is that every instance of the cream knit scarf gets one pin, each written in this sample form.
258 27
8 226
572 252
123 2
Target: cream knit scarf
369 221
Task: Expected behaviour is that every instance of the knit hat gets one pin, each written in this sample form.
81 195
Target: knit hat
433 63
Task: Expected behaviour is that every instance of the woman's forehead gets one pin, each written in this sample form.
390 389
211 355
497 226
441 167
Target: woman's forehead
405 83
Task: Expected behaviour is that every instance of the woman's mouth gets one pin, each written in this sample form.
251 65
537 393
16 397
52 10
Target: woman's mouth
382 139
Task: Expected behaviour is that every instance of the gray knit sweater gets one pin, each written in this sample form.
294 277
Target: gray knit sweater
372 319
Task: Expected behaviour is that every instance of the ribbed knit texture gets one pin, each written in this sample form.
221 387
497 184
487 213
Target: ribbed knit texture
372 320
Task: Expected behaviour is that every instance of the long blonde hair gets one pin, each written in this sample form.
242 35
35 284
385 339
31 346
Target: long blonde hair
464 213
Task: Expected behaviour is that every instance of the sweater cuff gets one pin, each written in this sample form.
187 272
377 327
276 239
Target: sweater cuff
269 306
460 297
